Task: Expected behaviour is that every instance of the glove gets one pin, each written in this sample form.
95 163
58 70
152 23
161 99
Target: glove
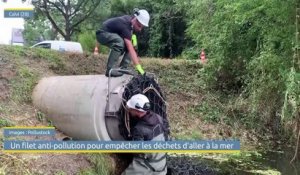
140 69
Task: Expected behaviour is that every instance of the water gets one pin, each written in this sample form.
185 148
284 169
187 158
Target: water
280 161
270 162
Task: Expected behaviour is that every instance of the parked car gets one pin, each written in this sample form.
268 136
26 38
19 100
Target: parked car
62 46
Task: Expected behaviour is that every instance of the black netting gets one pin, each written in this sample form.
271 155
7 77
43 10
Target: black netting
149 87
188 165
177 164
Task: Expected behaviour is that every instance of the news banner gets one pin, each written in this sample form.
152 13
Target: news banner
15 141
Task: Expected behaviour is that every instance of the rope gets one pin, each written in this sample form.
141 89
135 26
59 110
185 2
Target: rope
127 119
149 87
156 91
127 123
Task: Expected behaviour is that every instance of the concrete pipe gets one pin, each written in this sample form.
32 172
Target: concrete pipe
77 105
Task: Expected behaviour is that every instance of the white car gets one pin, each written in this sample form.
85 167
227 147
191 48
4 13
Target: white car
62 46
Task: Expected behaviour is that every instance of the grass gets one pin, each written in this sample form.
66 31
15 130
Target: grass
40 116
193 135
176 76
21 166
60 173
209 112
89 171
246 162
5 123
4 110
194 106
191 109
23 84
101 163
53 57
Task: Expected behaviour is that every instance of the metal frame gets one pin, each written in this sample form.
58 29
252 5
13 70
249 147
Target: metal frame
129 72
124 71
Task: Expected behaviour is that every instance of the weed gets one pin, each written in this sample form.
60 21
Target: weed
88 171
12 164
207 111
40 116
101 164
5 123
50 123
60 173
193 135
17 50
53 57
23 85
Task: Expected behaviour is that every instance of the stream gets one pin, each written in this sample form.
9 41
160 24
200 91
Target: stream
267 163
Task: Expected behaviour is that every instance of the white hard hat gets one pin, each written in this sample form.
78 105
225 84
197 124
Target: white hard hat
143 17
139 102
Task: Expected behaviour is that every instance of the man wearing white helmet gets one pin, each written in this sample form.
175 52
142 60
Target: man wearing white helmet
116 34
149 127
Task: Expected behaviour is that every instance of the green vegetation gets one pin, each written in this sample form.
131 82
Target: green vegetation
249 89
23 85
102 164
87 41
88 171
253 66
10 160
201 113
243 163
250 57
60 173
5 123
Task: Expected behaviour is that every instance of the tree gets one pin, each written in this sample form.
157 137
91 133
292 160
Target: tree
123 7
66 15
250 47
166 36
38 29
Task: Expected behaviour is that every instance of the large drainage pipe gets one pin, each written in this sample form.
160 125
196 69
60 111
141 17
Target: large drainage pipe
77 105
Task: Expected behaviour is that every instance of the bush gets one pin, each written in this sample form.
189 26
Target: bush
267 75
88 41
249 55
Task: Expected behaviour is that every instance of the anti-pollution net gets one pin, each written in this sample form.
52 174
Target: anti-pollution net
177 164
148 86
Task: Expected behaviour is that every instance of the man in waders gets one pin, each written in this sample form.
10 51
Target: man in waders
116 33
148 128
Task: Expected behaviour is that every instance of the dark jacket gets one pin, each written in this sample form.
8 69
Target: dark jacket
148 128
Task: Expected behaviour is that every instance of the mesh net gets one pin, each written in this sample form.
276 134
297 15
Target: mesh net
177 164
181 164
149 87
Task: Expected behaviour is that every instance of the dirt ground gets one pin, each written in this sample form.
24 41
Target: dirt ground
54 163
26 115
7 72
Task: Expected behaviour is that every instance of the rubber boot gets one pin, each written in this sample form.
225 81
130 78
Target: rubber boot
125 61
112 59
113 73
